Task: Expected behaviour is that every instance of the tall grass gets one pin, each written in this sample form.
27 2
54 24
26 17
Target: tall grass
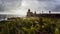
31 26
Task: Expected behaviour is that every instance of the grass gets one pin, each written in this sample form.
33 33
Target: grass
31 25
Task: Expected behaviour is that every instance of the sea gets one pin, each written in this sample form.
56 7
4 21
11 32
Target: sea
5 16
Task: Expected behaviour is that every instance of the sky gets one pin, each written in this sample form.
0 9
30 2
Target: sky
20 7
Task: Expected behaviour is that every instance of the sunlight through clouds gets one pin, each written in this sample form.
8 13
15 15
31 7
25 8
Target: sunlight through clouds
20 7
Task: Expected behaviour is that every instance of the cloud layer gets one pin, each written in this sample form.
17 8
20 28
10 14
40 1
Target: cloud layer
7 5
22 5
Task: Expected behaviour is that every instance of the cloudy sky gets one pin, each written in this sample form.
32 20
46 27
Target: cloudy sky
20 7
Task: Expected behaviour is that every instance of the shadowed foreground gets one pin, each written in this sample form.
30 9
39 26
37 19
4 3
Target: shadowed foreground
32 25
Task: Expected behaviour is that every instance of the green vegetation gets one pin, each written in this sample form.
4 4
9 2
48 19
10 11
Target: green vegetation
33 25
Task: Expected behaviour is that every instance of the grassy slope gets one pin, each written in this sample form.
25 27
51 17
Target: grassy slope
32 25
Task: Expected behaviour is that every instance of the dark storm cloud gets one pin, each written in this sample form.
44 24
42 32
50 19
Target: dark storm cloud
45 0
53 5
1 8
6 5
57 8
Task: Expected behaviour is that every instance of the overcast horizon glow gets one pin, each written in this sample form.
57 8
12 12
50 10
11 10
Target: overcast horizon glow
20 7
